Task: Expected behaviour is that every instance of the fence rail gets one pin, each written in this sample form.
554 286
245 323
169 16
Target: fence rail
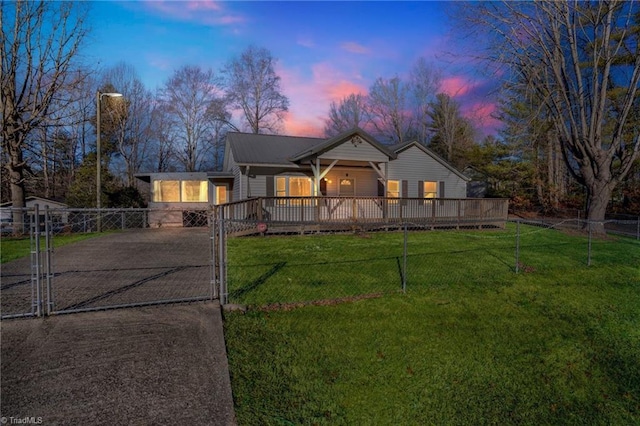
327 212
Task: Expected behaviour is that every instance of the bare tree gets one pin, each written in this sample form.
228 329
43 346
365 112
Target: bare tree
192 99
39 42
162 158
55 147
349 113
424 81
581 59
253 86
133 126
389 106
453 134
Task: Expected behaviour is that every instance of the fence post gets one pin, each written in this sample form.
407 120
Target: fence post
49 273
404 261
36 266
213 229
517 246
222 259
589 250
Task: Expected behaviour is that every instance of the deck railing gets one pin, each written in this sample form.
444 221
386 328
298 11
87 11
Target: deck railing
369 210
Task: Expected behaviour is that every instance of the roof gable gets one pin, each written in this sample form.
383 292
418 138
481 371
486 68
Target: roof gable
399 148
355 136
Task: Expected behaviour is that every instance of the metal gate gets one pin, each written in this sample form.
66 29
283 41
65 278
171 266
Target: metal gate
113 269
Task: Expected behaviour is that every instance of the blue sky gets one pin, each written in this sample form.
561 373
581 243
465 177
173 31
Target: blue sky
325 50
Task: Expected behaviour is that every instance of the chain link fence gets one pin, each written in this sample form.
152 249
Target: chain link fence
283 271
61 263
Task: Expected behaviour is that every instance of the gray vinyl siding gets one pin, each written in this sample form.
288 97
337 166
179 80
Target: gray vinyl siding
237 177
238 190
361 152
414 165
257 186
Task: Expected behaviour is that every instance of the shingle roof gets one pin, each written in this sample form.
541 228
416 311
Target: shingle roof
249 148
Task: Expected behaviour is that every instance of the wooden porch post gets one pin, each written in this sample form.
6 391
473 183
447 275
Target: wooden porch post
316 177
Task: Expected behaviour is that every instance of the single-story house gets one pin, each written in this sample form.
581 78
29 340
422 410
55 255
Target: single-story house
352 164
6 212
30 203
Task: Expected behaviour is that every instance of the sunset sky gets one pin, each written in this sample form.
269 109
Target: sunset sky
325 50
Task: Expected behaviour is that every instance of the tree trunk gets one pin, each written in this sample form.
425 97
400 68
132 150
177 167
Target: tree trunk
16 178
598 196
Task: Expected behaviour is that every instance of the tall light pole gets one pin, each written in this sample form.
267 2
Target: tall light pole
98 152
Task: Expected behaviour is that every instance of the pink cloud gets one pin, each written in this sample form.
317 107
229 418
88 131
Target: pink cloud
204 5
310 96
206 11
456 86
353 47
482 114
301 126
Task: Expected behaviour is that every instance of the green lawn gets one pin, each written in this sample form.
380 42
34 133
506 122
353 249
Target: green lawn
15 248
470 342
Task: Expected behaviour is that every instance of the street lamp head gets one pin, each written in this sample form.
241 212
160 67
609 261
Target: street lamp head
111 95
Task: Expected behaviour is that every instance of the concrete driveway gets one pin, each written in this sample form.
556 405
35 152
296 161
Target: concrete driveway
137 366
135 266
162 364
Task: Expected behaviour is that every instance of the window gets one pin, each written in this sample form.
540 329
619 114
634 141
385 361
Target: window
175 191
194 191
281 187
430 189
299 187
293 186
221 194
167 191
393 189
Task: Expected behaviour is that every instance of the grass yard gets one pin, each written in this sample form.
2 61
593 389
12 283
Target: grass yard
15 248
470 342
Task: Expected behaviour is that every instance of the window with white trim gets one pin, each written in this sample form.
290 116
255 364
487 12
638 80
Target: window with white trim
393 189
194 191
175 191
221 194
290 186
430 189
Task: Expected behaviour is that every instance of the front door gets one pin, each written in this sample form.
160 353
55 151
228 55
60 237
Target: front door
347 187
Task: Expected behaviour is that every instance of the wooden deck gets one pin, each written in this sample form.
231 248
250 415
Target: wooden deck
328 214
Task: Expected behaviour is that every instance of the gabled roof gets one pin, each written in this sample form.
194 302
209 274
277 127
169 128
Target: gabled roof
333 142
398 148
271 150
35 199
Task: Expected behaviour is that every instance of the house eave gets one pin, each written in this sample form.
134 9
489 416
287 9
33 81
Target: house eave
337 140
289 165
